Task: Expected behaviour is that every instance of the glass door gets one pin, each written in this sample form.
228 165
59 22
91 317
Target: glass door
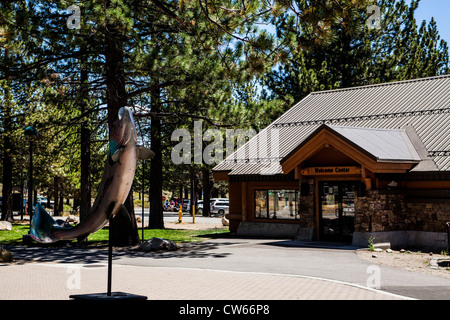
337 210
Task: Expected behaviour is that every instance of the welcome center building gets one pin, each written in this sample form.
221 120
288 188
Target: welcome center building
348 165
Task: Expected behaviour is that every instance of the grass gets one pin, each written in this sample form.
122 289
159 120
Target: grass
14 236
370 244
179 236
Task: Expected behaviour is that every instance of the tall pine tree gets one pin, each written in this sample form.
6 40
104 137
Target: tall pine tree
330 44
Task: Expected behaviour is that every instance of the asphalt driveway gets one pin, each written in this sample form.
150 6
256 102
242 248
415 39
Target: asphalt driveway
259 256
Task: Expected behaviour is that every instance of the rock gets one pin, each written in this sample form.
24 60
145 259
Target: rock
5 225
158 244
382 245
434 264
225 222
6 256
402 251
389 250
374 256
378 250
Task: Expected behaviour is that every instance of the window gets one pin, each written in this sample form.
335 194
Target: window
276 204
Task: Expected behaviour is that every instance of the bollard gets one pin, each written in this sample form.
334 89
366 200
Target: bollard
180 214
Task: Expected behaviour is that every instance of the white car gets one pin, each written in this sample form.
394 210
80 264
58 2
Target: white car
211 202
199 207
220 207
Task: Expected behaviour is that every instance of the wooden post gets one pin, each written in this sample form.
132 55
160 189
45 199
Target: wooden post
244 201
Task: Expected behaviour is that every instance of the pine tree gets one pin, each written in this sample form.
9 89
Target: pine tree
133 51
331 46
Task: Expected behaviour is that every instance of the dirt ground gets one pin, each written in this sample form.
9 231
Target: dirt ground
433 264
193 226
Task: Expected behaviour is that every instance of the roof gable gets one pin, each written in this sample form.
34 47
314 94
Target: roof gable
377 155
421 104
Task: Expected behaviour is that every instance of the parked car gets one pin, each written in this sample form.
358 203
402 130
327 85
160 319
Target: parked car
215 199
200 204
220 207
199 209
43 201
186 205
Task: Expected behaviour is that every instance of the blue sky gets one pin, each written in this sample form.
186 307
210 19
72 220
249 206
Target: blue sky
440 10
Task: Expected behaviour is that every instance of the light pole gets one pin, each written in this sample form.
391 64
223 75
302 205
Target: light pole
30 132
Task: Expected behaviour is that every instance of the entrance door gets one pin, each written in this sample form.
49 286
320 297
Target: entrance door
337 210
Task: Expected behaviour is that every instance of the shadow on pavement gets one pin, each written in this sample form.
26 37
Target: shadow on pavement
83 254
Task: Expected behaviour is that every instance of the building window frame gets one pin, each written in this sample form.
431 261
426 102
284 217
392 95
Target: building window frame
268 204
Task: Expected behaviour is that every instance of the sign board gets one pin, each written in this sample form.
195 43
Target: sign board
330 171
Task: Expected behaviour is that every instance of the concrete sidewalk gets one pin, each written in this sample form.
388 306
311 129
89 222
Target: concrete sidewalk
44 281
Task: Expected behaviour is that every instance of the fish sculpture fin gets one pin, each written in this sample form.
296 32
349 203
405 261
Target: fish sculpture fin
43 226
116 155
145 153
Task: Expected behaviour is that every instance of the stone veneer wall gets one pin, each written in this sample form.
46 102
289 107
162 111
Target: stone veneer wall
390 210
306 206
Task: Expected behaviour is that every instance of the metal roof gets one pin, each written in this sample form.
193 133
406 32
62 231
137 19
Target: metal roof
383 144
423 104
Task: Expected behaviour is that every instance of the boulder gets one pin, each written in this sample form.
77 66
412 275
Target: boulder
158 244
225 222
5 225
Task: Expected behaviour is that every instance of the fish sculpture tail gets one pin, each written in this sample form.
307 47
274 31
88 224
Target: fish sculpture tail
43 226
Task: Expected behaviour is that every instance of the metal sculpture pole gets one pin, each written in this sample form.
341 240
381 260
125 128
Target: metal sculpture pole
143 198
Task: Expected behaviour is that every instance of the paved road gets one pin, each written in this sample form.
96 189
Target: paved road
295 258
328 270
237 261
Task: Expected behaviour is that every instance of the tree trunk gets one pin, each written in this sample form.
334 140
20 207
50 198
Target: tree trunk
7 202
206 192
85 180
116 95
60 201
55 194
156 220
125 232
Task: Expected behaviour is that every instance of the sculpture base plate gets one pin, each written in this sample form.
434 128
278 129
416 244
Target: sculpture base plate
104 296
